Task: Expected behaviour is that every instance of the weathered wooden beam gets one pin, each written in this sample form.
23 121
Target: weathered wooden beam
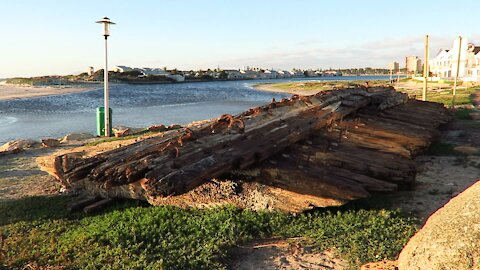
359 142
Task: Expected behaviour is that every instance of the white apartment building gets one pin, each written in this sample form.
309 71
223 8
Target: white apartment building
413 64
444 65
394 66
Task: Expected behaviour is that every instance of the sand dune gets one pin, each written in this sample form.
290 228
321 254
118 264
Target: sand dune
17 92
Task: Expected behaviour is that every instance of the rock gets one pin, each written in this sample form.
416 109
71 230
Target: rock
50 142
466 149
174 127
76 137
122 131
16 146
157 128
450 239
475 115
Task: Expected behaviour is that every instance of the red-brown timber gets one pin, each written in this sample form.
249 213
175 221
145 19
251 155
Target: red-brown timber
344 144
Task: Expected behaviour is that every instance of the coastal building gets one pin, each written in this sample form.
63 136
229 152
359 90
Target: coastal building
444 65
284 74
249 74
331 73
90 71
394 66
311 73
122 69
298 73
413 64
234 74
153 71
269 74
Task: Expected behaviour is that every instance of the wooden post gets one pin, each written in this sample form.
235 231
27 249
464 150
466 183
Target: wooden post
457 72
425 71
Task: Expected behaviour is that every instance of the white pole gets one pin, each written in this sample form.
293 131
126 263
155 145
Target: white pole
458 69
105 82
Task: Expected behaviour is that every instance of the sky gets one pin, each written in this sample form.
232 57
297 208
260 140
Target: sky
61 37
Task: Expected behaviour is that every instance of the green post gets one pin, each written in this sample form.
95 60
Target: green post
101 121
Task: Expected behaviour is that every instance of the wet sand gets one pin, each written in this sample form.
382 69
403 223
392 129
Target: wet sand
8 92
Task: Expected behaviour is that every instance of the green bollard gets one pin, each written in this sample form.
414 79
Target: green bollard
101 121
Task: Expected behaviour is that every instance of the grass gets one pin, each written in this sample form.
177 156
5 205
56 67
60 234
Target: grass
40 233
319 85
113 139
444 96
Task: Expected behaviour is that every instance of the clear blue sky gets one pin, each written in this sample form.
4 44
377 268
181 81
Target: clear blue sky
60 37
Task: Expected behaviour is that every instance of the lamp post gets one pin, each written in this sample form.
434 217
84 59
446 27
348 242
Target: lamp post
106 32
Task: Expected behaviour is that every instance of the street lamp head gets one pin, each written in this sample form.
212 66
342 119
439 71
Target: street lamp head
106 26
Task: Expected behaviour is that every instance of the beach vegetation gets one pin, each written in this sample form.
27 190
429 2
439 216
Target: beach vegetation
39 232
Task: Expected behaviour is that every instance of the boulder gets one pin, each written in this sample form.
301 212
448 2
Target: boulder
50 143
15 146
450 239
121 131
76 137
175 126
157 128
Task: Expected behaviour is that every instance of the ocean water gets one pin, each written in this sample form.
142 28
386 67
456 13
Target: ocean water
133 106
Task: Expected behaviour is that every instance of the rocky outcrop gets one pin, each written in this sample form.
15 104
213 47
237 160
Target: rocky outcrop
48 143
122 131
75 137
450 239
16 146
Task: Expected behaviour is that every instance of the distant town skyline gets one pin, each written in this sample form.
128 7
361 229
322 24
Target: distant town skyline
53 37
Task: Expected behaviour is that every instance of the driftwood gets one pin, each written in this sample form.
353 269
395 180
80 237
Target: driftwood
342 144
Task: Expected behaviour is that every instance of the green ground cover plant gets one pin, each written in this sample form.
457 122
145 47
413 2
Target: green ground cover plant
39 232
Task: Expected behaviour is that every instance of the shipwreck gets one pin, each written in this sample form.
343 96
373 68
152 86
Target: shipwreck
294 154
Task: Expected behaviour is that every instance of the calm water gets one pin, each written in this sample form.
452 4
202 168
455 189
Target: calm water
133 105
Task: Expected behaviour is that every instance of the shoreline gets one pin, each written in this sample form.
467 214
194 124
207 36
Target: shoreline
11 92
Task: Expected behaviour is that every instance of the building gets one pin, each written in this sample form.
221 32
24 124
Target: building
413 64
332 73
444 65
234 74
394 66
284 74
90 71
122 69
249 74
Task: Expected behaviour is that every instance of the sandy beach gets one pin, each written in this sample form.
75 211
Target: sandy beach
8 92
271 87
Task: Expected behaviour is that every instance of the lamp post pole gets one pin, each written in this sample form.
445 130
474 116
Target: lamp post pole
106 96
106 32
